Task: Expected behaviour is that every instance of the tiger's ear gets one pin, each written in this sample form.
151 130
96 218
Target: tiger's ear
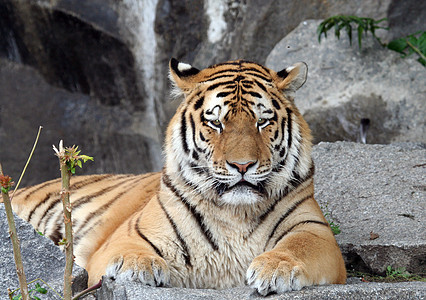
184 76
290 79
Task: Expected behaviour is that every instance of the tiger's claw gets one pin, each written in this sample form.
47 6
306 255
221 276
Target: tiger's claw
147 269
273 275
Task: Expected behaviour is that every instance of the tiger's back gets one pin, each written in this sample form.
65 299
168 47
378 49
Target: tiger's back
100 204
233 204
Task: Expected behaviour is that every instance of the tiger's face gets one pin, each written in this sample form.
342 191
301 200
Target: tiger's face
237 135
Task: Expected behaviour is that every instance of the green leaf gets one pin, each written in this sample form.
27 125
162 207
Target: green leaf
86 158
349 32
421 42
398 45
41 290
79 163
4 190
360 31
36 298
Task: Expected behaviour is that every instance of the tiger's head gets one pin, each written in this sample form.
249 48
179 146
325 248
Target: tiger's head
238 138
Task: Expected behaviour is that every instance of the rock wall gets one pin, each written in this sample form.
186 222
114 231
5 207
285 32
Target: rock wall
94 72
41 259
346 84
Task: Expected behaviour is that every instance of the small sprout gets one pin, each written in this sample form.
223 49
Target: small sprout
71 156
6 183
62 242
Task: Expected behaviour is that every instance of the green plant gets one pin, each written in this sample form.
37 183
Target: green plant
339 22
398 272
391 275
72 158
335 228
37 289
413 43
6 184
69 158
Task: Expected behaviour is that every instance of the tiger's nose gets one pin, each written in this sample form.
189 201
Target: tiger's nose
241 167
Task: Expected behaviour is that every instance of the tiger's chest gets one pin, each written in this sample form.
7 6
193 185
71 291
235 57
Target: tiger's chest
222 264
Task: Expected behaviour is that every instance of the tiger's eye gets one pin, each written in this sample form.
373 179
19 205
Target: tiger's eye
216 122
261 121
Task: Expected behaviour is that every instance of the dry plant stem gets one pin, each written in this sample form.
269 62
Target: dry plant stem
15 243
28 161
416 50
69 257
88 290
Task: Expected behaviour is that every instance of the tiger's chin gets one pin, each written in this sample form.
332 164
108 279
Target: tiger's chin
241 194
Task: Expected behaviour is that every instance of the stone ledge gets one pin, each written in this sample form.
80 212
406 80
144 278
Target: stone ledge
355 291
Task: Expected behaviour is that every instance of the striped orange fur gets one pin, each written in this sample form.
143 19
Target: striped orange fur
234 203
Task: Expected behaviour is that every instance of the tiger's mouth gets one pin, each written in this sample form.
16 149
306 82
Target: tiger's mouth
242 185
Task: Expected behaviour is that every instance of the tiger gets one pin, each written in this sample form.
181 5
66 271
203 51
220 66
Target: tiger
233 205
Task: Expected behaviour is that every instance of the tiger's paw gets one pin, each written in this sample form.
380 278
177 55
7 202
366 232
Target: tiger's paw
149 269
273 274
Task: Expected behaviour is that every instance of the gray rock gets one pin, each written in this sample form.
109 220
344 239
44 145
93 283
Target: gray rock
406 17
41 259
86 85
111 134
346 84
363 189
357 291
378 189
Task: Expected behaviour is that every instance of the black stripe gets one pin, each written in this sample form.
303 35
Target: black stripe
102 209
297 224
146 239
48 212
275 104
39 187
197 216
220 76
85 199
260 85
260 76
223 94
271 208
289 137
92 179
283 217
56 236
191 120
214 86
276 135
47 197
199 103
283 73
82 234
178 235
183 132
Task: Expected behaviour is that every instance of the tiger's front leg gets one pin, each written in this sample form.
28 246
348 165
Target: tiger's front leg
130 253
301 258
